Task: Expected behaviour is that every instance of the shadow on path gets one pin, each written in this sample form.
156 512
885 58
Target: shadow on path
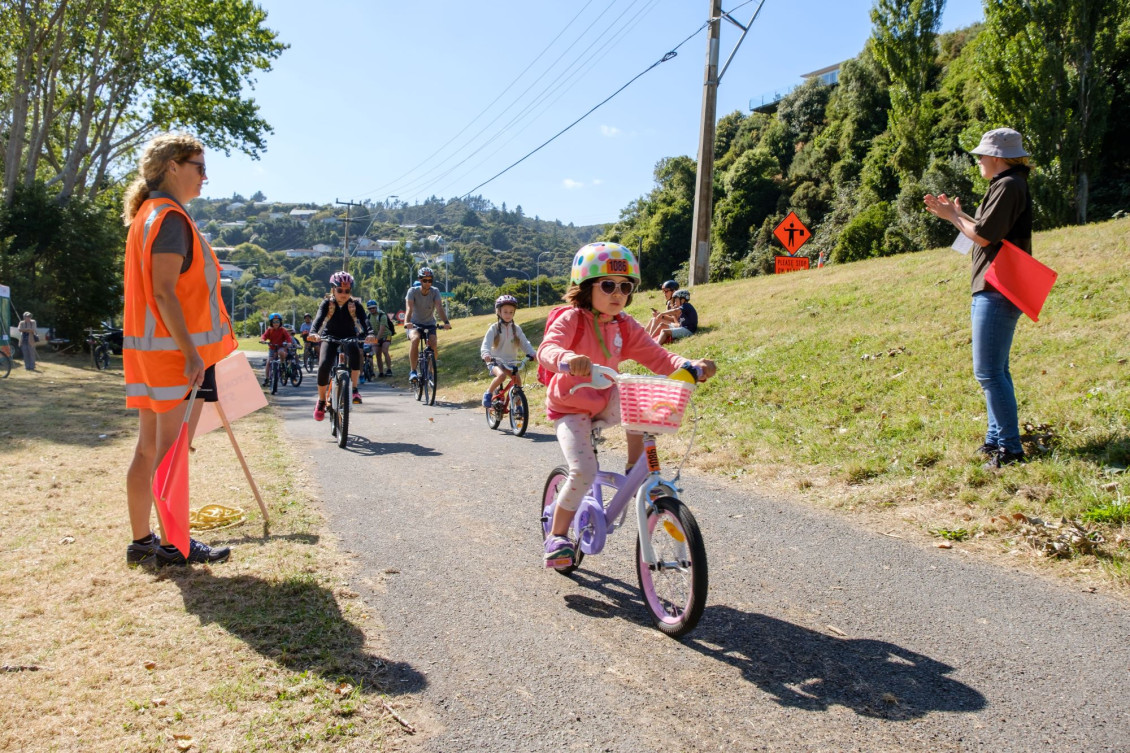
295 623
798 667
367 448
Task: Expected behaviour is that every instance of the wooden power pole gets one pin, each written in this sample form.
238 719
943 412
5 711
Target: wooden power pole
345 251
704 186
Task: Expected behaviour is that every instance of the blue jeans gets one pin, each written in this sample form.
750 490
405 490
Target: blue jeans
994 320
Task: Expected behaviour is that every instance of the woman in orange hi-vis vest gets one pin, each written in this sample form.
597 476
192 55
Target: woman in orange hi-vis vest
176 327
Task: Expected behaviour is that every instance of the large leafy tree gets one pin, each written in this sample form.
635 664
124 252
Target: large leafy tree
905 44
1048 68
87 81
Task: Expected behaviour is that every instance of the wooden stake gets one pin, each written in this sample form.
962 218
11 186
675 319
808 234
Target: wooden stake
239 454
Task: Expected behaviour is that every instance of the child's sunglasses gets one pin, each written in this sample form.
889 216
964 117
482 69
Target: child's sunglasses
608 287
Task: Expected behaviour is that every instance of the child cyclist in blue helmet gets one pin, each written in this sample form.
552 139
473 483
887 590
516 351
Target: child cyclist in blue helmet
594 330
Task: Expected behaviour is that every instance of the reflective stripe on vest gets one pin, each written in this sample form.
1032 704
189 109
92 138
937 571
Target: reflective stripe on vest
156 393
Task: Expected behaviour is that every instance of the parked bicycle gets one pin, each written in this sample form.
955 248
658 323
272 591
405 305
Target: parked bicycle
509 401
426 378
670 554
341 389
5 363
99 344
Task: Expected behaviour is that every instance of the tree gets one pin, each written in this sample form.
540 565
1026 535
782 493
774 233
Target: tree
1047 68
905 44
93 79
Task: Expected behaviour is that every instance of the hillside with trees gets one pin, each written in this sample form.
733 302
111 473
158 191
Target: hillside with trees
854 159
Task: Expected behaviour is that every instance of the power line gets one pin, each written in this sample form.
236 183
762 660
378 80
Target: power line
415 187
547 98
489 105
669 55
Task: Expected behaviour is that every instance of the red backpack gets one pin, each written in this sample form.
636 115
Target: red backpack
544 374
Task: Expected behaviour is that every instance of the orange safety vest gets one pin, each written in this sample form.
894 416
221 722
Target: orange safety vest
153 364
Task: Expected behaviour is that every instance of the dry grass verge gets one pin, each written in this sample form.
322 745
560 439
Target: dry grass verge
269 651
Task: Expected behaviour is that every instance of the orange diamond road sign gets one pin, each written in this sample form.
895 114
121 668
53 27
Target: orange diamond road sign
792 233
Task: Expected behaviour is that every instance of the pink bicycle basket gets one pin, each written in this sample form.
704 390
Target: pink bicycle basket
653 404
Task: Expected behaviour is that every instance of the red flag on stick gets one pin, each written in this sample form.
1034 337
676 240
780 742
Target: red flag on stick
170 485
1021 279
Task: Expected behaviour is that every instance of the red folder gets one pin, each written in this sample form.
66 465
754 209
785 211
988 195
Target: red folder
1021 279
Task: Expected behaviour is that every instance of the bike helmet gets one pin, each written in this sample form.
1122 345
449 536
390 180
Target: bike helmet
425 272
670 285
274 316
603 259
337 279
371 304
505 300
682 293
307 316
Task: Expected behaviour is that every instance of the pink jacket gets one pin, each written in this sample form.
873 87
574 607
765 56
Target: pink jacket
635 345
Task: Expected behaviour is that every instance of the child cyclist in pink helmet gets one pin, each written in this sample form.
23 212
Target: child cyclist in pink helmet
594 330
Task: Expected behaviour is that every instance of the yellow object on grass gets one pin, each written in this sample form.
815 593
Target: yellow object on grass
212 517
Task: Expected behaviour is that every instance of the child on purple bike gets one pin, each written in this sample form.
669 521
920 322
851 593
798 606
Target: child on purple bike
594 330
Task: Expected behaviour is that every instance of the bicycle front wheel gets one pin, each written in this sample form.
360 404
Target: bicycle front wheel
296 374
311 361
519 412
675 590
341 409
274 377
558 477
430 379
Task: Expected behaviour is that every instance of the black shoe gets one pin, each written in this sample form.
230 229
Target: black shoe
988 449
1003 457
143 552
198 553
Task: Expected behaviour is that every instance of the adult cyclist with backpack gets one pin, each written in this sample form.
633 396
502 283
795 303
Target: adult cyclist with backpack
340 315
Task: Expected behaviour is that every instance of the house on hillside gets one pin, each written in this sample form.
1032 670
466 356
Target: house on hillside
302 253
269 283
324 249
230 272
829 76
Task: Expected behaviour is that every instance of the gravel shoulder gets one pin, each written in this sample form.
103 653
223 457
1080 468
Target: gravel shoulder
818 634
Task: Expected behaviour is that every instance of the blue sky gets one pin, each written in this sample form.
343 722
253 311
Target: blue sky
369 93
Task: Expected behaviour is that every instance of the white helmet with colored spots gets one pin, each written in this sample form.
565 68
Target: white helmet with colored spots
602 259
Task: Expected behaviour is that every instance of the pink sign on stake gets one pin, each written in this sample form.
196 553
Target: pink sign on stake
239 393
1021 279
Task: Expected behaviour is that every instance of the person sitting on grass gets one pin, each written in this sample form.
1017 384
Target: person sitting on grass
683 319
655 324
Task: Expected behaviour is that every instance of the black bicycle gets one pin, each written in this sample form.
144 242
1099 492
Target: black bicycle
276 370
341 389
99 349
426 377
292 369
310 356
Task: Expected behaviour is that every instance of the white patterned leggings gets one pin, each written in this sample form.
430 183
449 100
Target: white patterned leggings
574 434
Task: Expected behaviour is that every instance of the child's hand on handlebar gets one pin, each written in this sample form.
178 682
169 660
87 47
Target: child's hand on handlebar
705 367
579 365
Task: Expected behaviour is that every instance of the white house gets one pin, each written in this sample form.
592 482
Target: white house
324 248
230 272
303 214
268 283
301 253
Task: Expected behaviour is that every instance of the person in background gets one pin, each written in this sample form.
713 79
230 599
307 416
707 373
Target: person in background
656 324
1004 214
277 338
176 328
501 345
684 319
28 339
384 328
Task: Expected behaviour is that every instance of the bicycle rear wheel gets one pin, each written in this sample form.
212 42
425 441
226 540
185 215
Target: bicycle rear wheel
519 412
494 414
675 591
421 365
341 410
430 379
557 477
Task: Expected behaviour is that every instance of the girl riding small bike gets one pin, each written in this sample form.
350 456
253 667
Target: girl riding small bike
501 344
594 330
278 338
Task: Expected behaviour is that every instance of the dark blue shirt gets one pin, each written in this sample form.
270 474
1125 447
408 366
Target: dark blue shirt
688 317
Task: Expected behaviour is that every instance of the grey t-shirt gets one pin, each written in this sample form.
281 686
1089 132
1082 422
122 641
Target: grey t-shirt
423 306
175 236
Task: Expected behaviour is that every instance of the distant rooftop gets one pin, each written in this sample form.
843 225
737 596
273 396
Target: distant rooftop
767 102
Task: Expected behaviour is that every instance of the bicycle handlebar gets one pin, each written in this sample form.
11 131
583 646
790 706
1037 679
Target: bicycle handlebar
602 377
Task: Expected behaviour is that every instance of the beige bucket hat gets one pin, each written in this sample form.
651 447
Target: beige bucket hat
1001 142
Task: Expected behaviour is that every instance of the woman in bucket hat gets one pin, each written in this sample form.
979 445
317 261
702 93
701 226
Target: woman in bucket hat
1004 214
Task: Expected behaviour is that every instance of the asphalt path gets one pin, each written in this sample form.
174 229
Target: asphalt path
818 635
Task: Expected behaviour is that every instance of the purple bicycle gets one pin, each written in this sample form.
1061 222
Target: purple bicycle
670 554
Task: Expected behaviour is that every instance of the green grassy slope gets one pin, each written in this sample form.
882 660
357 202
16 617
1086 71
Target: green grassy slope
858 379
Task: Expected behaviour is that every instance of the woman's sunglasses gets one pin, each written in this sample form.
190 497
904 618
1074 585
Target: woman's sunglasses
343 290
200 167
608 287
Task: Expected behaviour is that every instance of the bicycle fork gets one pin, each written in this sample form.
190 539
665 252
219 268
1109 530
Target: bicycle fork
652 488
